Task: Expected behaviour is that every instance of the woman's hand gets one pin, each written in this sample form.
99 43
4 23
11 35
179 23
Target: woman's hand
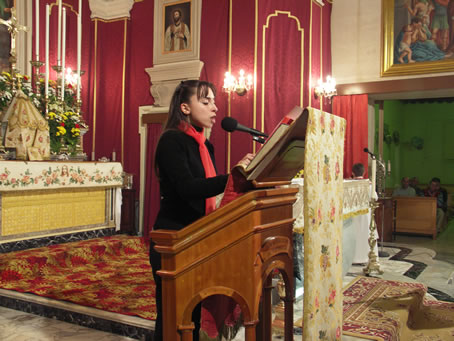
246 160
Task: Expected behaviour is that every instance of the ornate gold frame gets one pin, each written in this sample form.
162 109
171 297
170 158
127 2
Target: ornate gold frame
388 68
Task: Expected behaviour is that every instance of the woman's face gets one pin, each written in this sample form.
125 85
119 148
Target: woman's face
202 113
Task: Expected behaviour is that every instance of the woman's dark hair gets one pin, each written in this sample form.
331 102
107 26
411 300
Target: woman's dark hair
184 91
182 94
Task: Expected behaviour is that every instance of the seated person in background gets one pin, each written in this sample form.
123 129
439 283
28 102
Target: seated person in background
404 190
414 184
435 191
357 171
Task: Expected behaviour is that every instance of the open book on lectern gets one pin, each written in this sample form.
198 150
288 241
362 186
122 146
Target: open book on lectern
282 154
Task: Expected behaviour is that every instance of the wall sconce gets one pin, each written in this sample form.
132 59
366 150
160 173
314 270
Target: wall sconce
326 89
240 86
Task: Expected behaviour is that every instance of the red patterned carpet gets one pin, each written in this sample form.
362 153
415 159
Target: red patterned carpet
388 310
110 273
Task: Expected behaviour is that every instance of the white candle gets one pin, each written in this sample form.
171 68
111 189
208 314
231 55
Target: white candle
59 33
79 48
63 52
114 156
92 156
46 81
389 166
373 177
37 30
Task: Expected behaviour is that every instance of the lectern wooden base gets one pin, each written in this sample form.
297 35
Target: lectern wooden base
230 252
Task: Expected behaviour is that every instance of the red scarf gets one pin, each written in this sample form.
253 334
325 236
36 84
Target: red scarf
210 203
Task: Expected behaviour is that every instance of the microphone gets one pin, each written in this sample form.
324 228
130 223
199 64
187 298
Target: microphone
230 124
369 152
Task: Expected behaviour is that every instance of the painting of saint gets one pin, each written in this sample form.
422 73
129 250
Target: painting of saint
5 38
423 30
177 23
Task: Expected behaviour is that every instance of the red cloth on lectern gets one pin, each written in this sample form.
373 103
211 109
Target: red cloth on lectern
237 185
219 311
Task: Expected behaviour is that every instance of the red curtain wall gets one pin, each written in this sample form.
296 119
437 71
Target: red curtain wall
152 196
354 109
284 67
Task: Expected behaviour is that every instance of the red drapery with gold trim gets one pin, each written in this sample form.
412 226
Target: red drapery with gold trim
354 109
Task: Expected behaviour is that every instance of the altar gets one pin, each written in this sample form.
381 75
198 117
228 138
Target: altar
356 219
48 199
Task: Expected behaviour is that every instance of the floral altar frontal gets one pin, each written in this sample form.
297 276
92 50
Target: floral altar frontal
42 199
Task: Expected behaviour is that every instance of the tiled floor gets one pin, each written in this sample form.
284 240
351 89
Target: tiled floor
424 260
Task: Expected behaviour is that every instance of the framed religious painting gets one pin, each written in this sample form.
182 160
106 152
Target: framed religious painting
176 31
418 37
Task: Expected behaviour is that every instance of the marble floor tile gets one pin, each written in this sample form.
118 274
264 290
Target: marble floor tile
19 326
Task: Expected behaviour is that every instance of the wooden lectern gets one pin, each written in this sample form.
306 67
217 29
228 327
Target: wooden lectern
234 250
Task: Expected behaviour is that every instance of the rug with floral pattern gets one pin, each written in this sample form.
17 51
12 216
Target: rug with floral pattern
390 310
110 273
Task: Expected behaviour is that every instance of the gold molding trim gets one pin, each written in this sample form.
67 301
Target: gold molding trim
254 102
111 20
317 3
95 88
321 52
63 4
229 103
265 27
310 57
123 92
388 68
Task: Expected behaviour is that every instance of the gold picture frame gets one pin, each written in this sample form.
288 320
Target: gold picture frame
426 55
190 13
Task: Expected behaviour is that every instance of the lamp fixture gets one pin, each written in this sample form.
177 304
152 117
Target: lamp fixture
326 89
240 86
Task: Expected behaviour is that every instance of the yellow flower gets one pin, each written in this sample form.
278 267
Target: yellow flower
4 73
51 115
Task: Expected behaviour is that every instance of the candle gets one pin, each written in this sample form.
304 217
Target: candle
79 48
37 30
389 166
46 81
63 56
373 176
92 156
114 156
59 33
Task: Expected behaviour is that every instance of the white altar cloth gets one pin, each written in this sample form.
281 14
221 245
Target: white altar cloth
33 175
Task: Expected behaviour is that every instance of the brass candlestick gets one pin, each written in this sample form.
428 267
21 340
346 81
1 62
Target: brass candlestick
36 65
58 69
372 265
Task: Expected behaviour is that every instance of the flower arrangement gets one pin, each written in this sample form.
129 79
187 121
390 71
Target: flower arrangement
7 89
65 123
